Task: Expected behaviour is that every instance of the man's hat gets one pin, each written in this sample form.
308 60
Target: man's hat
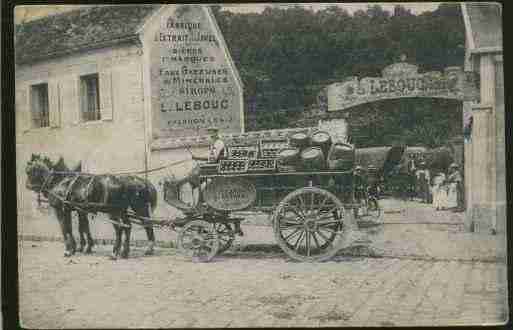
454 165
213 130
358 167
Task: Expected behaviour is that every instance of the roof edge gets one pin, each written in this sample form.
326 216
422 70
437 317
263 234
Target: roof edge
86 47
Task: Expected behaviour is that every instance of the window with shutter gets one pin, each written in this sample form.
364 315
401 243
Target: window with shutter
39 105
90 96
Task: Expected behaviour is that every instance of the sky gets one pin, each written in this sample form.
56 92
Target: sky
26 13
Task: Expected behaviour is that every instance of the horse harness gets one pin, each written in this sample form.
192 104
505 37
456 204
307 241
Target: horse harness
66 200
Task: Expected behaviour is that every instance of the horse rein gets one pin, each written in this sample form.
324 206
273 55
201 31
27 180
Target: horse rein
41 189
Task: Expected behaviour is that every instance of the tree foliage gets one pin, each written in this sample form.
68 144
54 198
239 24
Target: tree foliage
286 55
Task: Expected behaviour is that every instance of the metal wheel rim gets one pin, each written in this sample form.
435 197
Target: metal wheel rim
310 224
198 240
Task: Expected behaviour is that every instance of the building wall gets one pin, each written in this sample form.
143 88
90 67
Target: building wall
115 143
501 145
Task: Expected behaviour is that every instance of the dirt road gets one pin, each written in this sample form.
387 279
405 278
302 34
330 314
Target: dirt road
250 290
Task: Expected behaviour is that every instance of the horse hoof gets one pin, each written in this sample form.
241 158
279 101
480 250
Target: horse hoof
113 257
67 254
124 255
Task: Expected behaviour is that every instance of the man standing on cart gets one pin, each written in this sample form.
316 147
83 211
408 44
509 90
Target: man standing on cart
216 152
216 148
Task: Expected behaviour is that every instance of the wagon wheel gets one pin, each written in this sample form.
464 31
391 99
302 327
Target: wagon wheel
225 235
310 224
199 240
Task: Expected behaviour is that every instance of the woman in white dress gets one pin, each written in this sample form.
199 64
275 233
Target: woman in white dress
439 192
453 180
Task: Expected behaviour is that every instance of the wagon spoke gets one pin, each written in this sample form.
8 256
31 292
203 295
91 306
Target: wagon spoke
323 203
300 214
315 240
307 242
292 234
293 226
327 222
291 220
302 206
333 209
322 235
328 230
297 244
324 216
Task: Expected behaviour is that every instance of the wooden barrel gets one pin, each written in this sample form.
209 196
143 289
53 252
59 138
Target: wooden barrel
341 157
322 140
288 156
299 140
312 158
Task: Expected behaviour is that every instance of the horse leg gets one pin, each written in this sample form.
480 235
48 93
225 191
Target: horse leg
117 244
145 212
83 222
70 240
59 214
81 233
126 245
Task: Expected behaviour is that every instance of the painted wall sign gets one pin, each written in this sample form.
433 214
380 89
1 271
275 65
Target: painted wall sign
230 194
198 82
402 80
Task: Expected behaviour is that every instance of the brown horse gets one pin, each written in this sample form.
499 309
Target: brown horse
113 195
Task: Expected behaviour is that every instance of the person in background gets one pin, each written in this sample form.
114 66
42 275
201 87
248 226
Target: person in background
423 179
455 195
411 180
360 187
439 192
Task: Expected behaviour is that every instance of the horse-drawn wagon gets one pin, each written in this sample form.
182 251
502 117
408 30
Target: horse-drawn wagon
305 183
309 197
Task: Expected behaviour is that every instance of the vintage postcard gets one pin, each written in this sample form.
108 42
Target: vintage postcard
260 165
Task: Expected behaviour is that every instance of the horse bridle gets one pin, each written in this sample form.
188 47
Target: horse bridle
41 189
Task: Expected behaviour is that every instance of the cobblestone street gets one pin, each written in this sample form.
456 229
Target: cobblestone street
420 268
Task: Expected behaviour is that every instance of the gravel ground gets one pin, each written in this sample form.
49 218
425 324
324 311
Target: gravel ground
254 289
418 268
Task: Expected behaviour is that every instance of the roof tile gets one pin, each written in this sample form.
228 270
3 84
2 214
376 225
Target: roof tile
77 30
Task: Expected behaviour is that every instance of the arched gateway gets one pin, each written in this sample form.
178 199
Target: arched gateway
402 80
370 95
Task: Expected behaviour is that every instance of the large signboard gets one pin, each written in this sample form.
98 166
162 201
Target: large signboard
230 194
199 85
401 80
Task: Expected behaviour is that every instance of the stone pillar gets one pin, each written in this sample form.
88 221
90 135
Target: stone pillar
483 153
500 156
469 223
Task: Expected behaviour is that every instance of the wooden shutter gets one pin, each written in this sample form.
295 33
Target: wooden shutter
105 80
77 102
23 115
54 103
